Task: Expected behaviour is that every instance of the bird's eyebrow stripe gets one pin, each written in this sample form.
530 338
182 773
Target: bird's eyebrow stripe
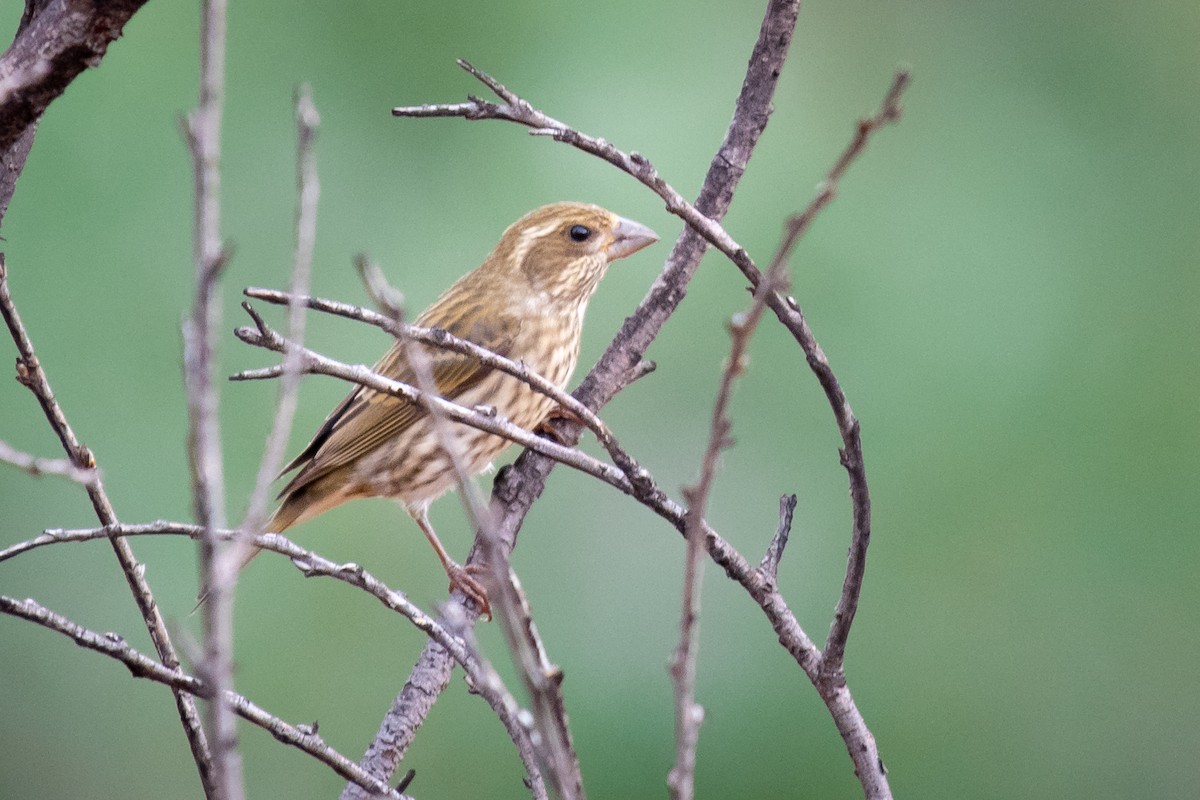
540 231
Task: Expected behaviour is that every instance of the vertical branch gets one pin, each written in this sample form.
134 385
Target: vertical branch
308 190
688 714
31 374
204 442
210 257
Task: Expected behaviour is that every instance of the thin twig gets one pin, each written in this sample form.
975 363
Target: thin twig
309 562
460 620
485 420
308 190
31 375
204 438
389 299
769 566
688 714
46 466
304 738
851 453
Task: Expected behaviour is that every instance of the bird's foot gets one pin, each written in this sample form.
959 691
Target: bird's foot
549 427
463 579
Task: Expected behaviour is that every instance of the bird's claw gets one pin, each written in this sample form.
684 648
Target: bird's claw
548 428
462 579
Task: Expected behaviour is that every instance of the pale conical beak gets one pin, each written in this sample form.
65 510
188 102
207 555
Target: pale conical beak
628 238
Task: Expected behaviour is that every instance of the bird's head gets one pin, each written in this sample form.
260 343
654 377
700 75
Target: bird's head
563 249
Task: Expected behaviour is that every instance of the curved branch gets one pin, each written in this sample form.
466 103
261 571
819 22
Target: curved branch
304 738
312 564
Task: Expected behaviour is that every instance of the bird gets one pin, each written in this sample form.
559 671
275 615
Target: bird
526 302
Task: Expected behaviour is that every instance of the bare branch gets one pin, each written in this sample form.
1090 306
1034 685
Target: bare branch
792 317
304 738
308 190
460 621
769 567
31 374
309 562
54 43
688 714
46 466
482 418
204 439
387 298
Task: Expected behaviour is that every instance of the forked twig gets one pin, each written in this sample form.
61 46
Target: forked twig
308 190
769 566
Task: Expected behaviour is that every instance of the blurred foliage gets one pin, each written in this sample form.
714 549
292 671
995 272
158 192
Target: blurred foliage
1007 287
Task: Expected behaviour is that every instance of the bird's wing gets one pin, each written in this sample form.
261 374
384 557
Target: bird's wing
367 419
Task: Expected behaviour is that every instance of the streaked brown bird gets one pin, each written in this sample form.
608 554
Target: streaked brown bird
526 301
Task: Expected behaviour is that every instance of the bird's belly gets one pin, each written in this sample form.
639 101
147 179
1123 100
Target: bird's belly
414 466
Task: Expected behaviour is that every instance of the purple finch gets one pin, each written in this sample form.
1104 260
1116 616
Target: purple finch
526 302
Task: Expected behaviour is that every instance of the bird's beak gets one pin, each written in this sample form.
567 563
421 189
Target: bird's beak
628 238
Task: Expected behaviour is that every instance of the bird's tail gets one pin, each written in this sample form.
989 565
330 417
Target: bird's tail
297 506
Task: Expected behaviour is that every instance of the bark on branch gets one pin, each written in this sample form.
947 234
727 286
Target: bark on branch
56 40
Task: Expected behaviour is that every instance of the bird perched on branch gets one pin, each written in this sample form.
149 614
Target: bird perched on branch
526 302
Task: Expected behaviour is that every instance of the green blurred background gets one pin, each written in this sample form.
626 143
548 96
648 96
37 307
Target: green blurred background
1007 287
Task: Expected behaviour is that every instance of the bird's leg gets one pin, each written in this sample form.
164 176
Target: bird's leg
461 577
548 427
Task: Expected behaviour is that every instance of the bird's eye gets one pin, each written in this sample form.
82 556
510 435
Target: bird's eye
579 233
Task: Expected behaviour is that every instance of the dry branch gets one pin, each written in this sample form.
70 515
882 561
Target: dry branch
311 564
203 134
56 40
31 375
769 566
688 714
308 190
304 738
46 466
